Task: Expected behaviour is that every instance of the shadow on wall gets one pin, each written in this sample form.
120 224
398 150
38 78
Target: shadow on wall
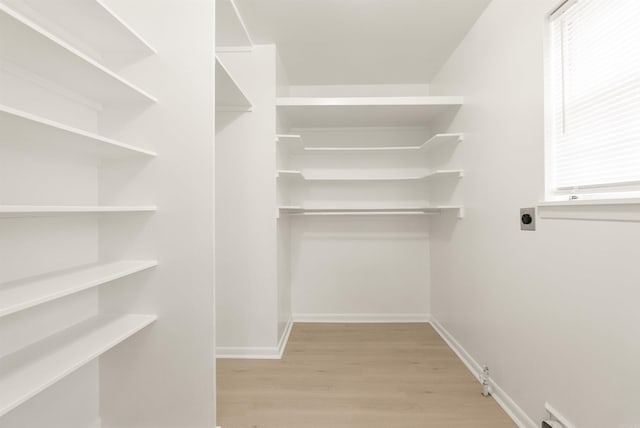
224 118
446 118
443 226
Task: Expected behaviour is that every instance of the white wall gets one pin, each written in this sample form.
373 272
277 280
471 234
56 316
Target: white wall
167 370
246 238
552 312
360 268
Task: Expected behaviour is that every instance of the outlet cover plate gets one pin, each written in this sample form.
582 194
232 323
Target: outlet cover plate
527 219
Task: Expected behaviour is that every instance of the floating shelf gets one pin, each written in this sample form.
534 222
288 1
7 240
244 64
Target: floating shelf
441 173
19 295
364 111
290 144
440 140
34 210
231 33
289 137
100 28
60 63
294 144
298 210
229 96
290 174
34 368
16 123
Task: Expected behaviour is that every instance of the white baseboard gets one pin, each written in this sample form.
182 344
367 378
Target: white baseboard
249 352
502 398
257 352
361 318
282 344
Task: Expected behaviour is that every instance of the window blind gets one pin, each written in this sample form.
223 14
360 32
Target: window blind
595 96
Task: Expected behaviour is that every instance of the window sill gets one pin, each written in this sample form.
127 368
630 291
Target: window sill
592 209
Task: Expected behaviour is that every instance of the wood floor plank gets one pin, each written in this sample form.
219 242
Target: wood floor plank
356 376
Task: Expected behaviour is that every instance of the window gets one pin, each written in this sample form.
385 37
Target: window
594 100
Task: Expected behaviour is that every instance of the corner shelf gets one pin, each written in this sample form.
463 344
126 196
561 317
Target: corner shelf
364 111
34 210
19 295
61 63
31 370
100 28
229 96
294 144
426 177
231 32
435 210
35 128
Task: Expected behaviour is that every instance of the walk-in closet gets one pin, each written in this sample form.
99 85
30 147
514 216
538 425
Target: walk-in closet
329 213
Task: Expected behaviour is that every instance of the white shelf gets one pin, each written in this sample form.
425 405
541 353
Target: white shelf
19 295
289 137
16 123
231 32
288 173
53 59
100 28
32 210
229 96
364 111
290 144
31 370
441 173
294 144
440 140
298 210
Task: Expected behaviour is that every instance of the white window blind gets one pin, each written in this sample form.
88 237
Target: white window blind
595 97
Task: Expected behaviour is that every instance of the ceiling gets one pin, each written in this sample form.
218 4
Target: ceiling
367 42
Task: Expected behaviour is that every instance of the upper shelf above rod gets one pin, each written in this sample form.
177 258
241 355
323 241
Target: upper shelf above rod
231 32
314 112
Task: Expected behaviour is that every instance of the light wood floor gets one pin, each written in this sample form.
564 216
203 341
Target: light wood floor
356 375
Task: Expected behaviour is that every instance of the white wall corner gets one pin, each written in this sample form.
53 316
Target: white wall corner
257 352
507 404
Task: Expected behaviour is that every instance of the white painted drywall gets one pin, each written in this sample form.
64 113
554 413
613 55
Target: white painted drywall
553 312
360 268
164 376
246 238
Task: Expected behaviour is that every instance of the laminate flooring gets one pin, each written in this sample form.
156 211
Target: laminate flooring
356 376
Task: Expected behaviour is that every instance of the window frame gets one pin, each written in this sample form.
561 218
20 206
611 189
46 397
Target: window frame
617 203
612 191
